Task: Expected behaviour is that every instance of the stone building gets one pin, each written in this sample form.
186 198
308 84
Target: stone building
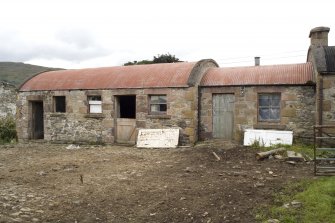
8 94
107 105
322 57
279 97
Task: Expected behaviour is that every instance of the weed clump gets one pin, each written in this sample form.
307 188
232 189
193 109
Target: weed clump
7 130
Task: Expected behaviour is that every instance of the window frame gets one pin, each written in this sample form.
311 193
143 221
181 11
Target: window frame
95 103
151 103
56 101
269 106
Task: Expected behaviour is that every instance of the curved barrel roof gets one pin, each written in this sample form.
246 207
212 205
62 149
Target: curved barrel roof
324 58
136 76
287 74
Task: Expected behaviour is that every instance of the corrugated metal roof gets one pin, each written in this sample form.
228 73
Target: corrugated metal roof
288 74
136 76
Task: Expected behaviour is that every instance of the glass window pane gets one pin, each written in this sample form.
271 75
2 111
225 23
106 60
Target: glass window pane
94 98
154 99
269 107
162 99
276 96
274 114
275 100
263 100
264 96
158 103
162 107
154 108
264 114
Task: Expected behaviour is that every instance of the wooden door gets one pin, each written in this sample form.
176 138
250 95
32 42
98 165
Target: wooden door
126 130
37 120
223 116
125 119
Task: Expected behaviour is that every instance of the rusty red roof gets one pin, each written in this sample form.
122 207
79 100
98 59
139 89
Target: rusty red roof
287 74
136 76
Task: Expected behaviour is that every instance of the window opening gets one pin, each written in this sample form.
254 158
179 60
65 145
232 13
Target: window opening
158 104
95 104
59 104
269 107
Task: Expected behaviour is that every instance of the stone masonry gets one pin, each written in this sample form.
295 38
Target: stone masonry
297 110
328 100
76 125
8 96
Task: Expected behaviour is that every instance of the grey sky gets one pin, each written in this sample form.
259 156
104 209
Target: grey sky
76 34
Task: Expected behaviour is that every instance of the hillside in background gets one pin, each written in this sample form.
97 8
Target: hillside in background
17 73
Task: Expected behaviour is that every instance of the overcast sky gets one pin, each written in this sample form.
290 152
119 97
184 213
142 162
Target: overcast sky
94 33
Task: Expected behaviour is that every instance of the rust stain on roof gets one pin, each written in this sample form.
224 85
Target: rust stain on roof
287 74
136 76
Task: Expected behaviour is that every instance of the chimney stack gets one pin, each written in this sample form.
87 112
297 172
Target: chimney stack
257 61
319 36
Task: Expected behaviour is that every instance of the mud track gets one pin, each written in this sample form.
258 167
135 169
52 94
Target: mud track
42 182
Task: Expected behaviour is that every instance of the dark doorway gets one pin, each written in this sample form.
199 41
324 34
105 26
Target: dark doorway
127 106
37 122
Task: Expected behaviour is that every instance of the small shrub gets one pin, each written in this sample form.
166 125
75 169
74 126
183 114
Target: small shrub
7 130
258 144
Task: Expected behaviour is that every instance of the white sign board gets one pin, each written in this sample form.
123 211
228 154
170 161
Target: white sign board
267 137
157 138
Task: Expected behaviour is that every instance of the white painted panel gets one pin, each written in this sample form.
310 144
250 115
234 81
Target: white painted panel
157 138
95 108
94 102
267 137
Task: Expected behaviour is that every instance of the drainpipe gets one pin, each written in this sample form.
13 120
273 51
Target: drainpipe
320 101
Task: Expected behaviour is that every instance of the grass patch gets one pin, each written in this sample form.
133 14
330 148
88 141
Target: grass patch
301 148
304 149
317 199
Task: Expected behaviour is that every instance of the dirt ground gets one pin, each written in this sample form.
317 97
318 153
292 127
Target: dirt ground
42 182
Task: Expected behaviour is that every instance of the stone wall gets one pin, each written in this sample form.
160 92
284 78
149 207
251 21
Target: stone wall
324 76
328 99
8 96
76 125
297 110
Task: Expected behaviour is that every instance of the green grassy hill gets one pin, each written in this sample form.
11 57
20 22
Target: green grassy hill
17 73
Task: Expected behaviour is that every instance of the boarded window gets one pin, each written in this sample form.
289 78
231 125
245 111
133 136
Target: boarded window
269 107
59 104
94 104
158 104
